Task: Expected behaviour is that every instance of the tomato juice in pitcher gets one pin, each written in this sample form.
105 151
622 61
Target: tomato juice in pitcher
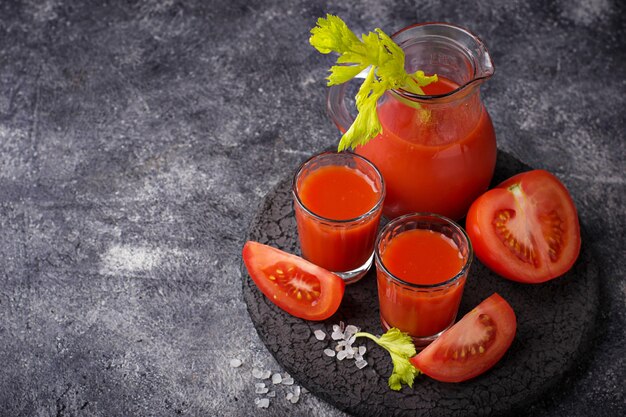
437 151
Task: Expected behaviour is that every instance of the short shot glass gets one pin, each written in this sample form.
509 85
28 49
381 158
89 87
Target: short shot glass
422 263
338 200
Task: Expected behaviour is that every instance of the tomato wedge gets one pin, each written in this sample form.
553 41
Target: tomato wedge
295 285
472 345
526 229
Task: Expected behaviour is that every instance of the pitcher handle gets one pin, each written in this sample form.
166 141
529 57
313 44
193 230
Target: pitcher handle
336 107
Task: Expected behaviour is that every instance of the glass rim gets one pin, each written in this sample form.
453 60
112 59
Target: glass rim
476 80
411 285
370 212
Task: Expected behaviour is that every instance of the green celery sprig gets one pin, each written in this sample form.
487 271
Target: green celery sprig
401 348
375 50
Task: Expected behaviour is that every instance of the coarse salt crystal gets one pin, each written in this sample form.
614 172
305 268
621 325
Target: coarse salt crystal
257 373
263 403
297 390
294 399
351 330
319 334
289 396
288 380
266 374
329 352
235 363
342 355
271 394
357 357
337 336
362 350
276 379
260 390
361 364
336 328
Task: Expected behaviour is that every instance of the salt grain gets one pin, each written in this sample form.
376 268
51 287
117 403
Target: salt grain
288 380
294 399
341 355
263 403
235 363
289 396
329 352
361 363
261 389
351 330
319 334
271 394
257 373
297 390
337 335
362 350
276 379
266 374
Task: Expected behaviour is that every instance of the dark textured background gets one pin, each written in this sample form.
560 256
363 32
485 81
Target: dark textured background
137 139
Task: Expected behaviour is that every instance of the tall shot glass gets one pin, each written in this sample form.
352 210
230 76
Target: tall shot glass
421 305
343 245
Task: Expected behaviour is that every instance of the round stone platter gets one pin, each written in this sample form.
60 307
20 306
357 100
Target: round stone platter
555 323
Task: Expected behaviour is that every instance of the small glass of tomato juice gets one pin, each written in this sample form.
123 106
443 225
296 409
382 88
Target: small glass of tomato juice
338 199
422 262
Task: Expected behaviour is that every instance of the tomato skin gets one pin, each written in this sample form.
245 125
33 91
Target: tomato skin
258 258
436 359
536 201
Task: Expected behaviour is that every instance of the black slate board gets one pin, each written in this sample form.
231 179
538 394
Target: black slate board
555 325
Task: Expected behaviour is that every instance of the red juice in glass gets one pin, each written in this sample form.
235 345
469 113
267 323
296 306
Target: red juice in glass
422 262
338 203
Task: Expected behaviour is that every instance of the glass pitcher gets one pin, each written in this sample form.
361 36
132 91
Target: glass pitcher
437 152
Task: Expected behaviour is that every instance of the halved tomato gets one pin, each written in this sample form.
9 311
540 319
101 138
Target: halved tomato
526 229
471 346
297 286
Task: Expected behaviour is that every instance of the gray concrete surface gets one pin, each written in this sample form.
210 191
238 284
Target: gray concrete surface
136 140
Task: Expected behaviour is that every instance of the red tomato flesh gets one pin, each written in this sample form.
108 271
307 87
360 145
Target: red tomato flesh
472 345
297 286
526 229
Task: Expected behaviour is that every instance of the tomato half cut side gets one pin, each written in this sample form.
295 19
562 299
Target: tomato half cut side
297 286
473 345
526 229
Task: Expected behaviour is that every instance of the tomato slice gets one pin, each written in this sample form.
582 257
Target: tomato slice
472 345
526 229
295 285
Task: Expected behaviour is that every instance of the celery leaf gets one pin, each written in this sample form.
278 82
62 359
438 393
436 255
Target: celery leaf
401 348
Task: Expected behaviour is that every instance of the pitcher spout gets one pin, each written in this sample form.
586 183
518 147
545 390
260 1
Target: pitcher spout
447 50
483 64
